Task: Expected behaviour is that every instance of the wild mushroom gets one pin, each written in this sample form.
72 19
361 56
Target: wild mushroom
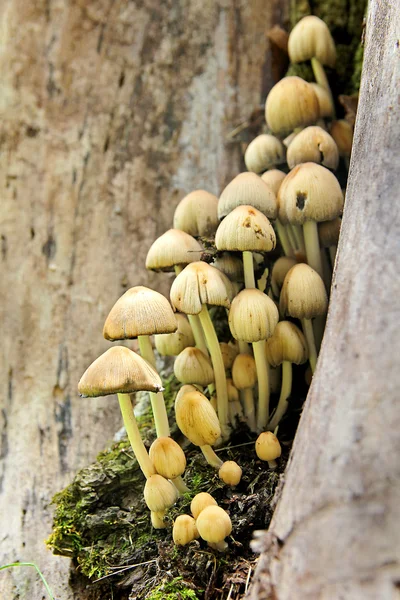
159 493
244 375
214 525
120 371
192 366
268 448
281 266
273 178
197 214
247 189
264 152
184 530
230 473
169 461
172 344
200 502
313 144
291 104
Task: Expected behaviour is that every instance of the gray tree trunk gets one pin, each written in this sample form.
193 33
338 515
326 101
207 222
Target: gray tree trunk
336 533
111 110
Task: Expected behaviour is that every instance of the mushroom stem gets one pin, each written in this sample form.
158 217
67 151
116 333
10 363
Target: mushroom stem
249 409
211 457
291 237
195 324
272 464
283 238
157 400
309 334
219 369
249 279
313 252
220 546
322 80
298 234
180 485
134 436
263 384
285 393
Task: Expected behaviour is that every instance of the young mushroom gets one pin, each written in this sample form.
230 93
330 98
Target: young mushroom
244 375
273 178
313 144
184 530
197 214
159 493
291 104
230 473
268 448
172 344
200 502
192 366
264 152
169 461
214 525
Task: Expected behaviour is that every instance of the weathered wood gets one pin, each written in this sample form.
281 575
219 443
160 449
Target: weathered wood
110 112
335 533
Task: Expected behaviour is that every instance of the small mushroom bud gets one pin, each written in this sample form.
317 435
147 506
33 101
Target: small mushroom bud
200 502
273 178
192 366
264 152
268 448
313 144
159 493
291 103
197 419
214 525
196 214
167 457
230 473
184 530
171 344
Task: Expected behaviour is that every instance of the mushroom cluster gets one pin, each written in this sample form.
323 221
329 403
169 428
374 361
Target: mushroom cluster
273 234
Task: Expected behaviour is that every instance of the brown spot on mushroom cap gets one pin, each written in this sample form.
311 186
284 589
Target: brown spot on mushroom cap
301 198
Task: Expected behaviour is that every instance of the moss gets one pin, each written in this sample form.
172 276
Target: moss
177 589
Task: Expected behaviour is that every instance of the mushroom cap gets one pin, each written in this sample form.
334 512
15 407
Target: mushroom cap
244 371
291 103
229 353
157 520
140 311
119 371
230 473
342 133
253 316
328 232
309 38
264 152
230 265
192 366
313 144
273 178
197 419
213 524
171 344
167 457
268 446
245 229
200 502
287 344
159 493
326 107
174 247
303 293
309 193
198 284
184 530
248 189
281 267
197 214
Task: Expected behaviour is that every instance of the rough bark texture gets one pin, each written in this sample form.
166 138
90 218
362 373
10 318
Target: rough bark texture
335 532
111 110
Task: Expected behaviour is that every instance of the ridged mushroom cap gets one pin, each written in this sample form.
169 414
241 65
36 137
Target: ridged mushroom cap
313 144
119 371
309 193
326 107
342 133
167 457
303 293
309 38
281 267
159 493
273 178
253 316
200 502
264 152
174 247
291 103
140 311
328 232
171 344
213 524
230 265
197 419
198 284
287 344
197 214
244 371
248 189
184 530
268 446
245 229
229 353
192 366
230 473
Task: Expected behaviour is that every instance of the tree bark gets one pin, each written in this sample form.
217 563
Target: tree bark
110 112
335 532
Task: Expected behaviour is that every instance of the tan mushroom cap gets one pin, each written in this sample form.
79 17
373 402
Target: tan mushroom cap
303 293
342 133
287 344
264 152
309 193
167 457
197 419
159 493
200 502
197 214
273 178
313 144
253 316
171 344
268 446
174 247
244 371
328 232
245 229
229 353
291 103
198 284
192 366
119 371
230 473
309 38
213 524
140 311
326 107
184 530
281 267
230 265
248 189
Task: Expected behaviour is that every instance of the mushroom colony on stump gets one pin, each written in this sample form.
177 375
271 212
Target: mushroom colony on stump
273 233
